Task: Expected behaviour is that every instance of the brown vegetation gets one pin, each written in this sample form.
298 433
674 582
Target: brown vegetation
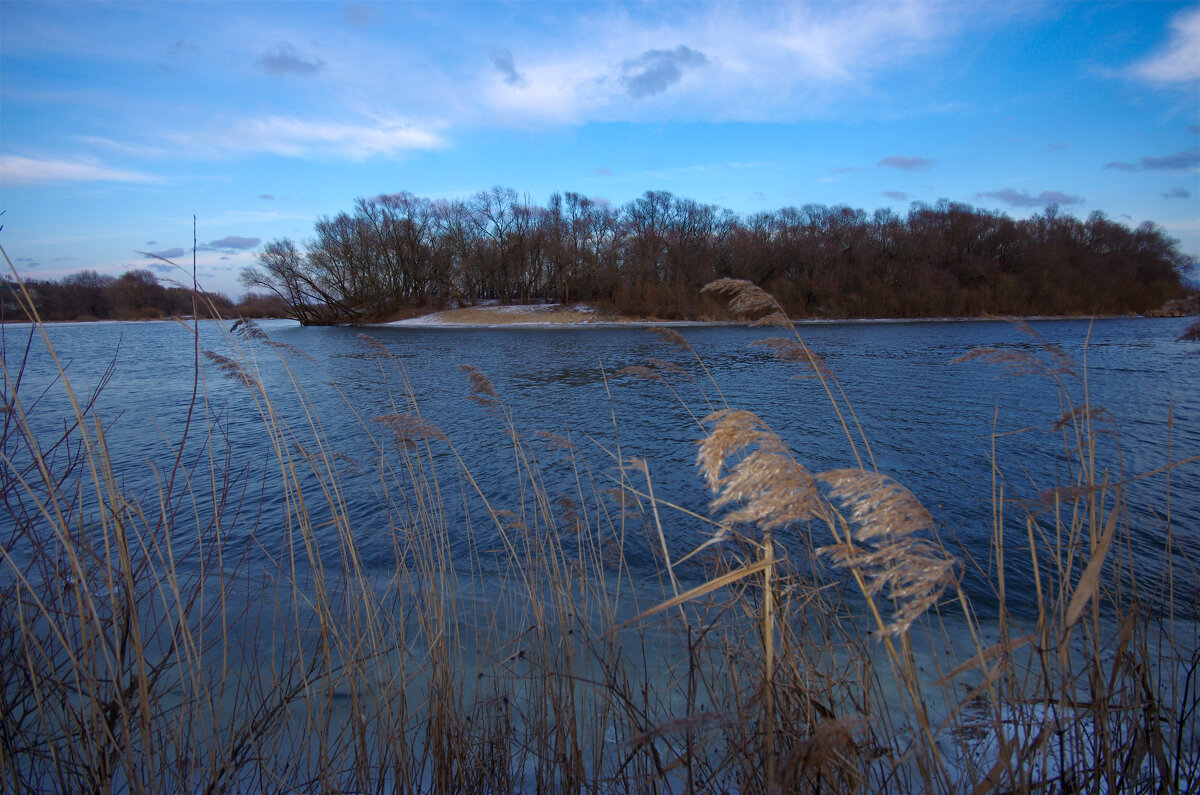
650 257
135 295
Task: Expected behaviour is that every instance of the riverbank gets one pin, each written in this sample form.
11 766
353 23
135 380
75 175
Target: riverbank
495 315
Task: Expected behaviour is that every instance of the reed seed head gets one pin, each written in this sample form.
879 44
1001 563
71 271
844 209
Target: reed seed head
746 299
671 337
249 329
408 430
669 368
913 570
797 352
640 371
1019 361
231 368
557 442
482 391
774 489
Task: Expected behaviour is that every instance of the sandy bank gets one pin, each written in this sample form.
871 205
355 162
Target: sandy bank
487 315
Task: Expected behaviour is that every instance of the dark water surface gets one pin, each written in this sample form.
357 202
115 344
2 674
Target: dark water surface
930 423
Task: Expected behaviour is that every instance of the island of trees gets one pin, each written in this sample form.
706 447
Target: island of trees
651 256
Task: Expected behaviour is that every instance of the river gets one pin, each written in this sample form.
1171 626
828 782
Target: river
931 423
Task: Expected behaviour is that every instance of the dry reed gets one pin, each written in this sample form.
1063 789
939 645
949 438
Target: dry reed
183 641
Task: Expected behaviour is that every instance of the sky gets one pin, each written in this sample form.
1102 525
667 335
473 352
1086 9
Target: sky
129 129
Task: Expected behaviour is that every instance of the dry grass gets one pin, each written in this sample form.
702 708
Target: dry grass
819 640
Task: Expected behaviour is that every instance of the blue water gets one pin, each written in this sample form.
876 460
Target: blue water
930 423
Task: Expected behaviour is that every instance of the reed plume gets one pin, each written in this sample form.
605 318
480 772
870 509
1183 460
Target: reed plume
1054 363
231 368
482 391
408 430
748 300
640 371
796 352
775 490
888 552
671 337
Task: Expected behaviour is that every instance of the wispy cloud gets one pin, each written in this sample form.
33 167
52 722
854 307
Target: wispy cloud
16 170
294 137
285 60
737 62
1186 160
1022 198
1176 193
1179 60
907 163
899 196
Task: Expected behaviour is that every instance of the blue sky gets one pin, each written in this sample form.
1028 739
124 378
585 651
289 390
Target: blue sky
119 121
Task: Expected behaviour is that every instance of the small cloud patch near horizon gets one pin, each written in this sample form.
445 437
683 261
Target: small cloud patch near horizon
1186 160
170 253
1023 198
235 242
898 195
904 163
1176 193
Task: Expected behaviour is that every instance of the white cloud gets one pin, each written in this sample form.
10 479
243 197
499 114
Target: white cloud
293 137
16 170
747 62
1179 61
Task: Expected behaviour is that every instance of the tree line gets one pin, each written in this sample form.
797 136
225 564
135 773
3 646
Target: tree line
135 295
651 256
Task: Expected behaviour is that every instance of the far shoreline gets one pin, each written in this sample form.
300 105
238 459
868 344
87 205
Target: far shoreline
631 322
491 314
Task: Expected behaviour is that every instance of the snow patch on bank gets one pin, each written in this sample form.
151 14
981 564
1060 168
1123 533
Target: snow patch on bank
491 313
